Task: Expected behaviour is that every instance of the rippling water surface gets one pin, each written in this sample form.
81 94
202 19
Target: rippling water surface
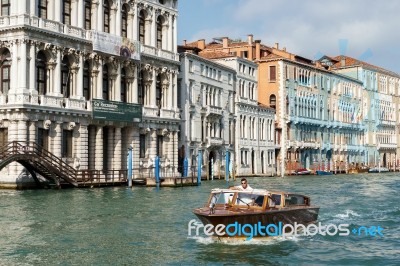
149 226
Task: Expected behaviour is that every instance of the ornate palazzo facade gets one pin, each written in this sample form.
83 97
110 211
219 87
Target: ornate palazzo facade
50 74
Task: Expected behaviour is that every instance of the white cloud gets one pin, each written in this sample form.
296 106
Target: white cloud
310 26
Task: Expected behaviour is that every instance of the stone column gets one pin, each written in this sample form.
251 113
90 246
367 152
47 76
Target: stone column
153 29
99 149
100 19
117 86
99 92
153 144
92 148
23 67
81 10
79 80
170 33
57 138
170 92
83 148
32 67
134 140
110 148
175 150
113 11
57 74
148 32
50 10
134 87
32 131
153 89
174 91
174 46
57 11
117 149
117 29
135 26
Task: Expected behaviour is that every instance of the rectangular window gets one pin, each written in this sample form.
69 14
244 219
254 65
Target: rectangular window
42 9
66 12
66 149
5 7
190 66
88 8
272 73
160 146
142 146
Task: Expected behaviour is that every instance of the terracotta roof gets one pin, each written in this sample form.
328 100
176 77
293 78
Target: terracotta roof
349 62
271 56
214 55
192 44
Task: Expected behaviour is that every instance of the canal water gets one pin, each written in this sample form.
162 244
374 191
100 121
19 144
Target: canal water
144 226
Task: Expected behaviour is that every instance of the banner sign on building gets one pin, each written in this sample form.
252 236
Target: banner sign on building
115 45
116 111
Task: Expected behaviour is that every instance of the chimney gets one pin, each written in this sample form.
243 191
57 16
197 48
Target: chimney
343 61
284 49
258 49
250 39
201 44
225 42
276 46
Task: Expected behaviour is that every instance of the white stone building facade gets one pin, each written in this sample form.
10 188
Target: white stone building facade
206 98
254 139
50 73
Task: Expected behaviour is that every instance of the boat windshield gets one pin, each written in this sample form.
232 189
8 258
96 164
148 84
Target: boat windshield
249 199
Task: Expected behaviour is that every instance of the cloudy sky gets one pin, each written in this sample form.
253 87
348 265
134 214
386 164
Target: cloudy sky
368 30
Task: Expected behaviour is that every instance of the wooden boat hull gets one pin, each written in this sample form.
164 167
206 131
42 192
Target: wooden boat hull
300 215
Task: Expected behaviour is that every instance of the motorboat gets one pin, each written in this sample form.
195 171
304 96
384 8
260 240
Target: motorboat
302 171
321 172
378 170
225 207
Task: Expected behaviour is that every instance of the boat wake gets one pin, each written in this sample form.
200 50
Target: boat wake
238 241
347 215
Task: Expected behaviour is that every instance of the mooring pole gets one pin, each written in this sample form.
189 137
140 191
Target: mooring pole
227 160
199 163
130 157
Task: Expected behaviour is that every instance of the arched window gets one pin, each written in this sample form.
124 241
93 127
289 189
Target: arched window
66 12
141 88
106 86
88 11
142 29
5 72
106 16
158 92
272 101
124 21
65 77
41 73
123 86
159 32
5 7
86 81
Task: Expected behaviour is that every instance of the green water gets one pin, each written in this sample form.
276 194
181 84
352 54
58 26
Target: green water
144 226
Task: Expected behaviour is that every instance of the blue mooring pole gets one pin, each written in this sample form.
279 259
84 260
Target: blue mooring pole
199 163
227 160
157 169
130 157
185 167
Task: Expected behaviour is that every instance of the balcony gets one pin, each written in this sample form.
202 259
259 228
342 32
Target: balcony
386 146
152 51
213 141
214 111
71 31
150 111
